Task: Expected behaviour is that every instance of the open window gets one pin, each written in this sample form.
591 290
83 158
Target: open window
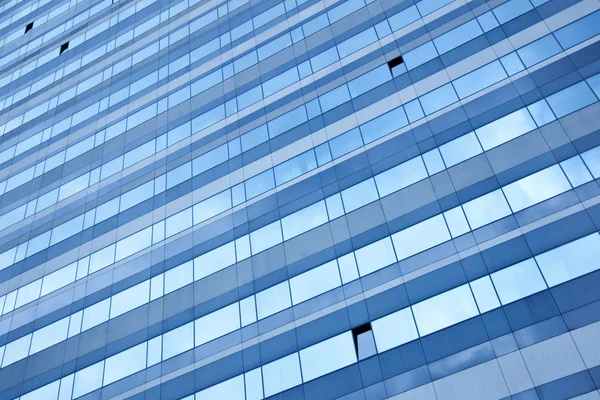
395 62
29 27
364 342
64 47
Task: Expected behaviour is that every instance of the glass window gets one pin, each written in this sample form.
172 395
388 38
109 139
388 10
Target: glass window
154 351
348 268
541 112
265 237
49 335
178 222
571 99
420 237
404 17
327 356
457 223
345 143
287 121
420 55
444 310
28 293
88 379
50 391
438 99
304 220
357 42
335 208
571 260
485 295
280 81
102 258
125 363
129 299
460 149
400 176
137 195
536 188
230 389
281 374
315 282
579 30
212 206
594 83
334 98
248 310
518 281
95 314
215 260
272 300
259 184
134 243
457 36
178 341
254 137
505 129
429 6
254 386
324 59
179 277
370 80
479 79
359 195
16 350
511 9
295 167
592 160
394 330
344 9
539 50
375 256
217 324
487 208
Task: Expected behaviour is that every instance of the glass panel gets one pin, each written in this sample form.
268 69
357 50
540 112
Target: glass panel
315 282
125 363
217 324
88 379
485 295
273 300
327 356
304 220
487 208
400 176
178 341
535 188
394 330
420 237
230 389
375 256
518 281
281 374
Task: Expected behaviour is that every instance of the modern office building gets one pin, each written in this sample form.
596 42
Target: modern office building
299 199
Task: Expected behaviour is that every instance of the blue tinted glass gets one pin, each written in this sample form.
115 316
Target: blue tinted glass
383 125
345 143
438 99
457 36
429 6
571 99
259 184
594 83
324 59
420 55
287 121
370 80
334 98
541 112
254 137
512 63
295 167
579 31
479 79
539 50
511 9
403 18
357 42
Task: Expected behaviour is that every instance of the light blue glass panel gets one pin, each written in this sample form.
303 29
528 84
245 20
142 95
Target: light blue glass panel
315 282
579 30
383 125
254 137
272 300
457 222
345 143
48 392
274 46
479 79
485 295
250 97
414 110
281 374
457 36
125 363
539 50
334 98
420 55
420 237
254 386
536 188
485 209
404 18
511 9
178 340
304 220
215 260
295 167
95 314
88 379
504 129
375 256
357 42
370 80
594 83
433 161
323 154
335 208
217 324
400 176
487 21
327 356
592 160
230 389
178 222
576 171
324 59
460 149
266 237
315 25
344 9
571 260
287 121
212 206
358 195
518 281
16 350
259 184
394 330
58 279
178 277
571 99
129 299
280 81
438 99
541 112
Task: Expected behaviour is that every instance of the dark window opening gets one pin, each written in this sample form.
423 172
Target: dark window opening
29 27
364 342
64 47
395 62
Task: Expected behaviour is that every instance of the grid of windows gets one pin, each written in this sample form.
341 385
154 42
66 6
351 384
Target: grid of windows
357 199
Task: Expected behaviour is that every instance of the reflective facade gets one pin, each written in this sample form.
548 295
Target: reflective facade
299 199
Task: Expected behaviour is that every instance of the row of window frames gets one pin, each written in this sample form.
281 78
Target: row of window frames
574 167
306 162
217 256
428 316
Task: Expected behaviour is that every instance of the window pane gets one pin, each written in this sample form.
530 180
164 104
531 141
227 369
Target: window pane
444 310
518 281
230 389
125 363
487 208
130 299
460 149
217 324
266 237
281 374
178 340
505 129
359 195
315 282
215 260
394 330
535 188
327 356
88 379
273 300
375 256
421 236
304 220
400 176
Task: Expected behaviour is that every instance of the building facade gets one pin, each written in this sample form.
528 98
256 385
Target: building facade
299 199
